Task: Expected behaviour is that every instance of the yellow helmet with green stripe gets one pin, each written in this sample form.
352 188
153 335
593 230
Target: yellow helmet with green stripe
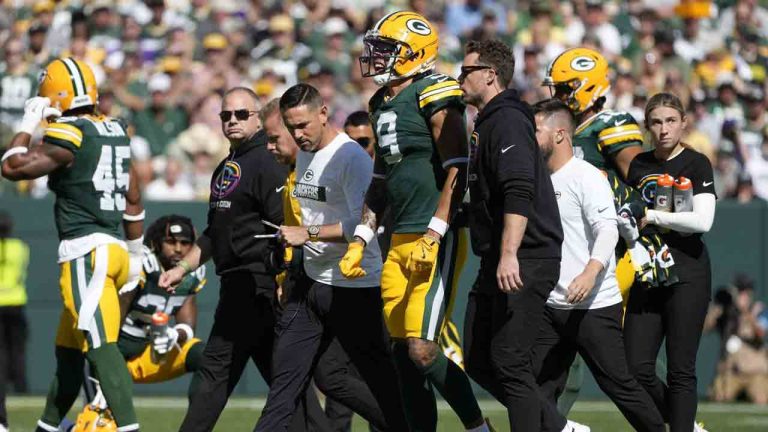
402 44
69 84
578 77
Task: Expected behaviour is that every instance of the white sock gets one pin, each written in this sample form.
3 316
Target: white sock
482 428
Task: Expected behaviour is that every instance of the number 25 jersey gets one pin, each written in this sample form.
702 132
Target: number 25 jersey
406 155
90 193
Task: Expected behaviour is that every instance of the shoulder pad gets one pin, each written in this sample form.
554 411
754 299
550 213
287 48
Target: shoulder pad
437 87
68 119
616 118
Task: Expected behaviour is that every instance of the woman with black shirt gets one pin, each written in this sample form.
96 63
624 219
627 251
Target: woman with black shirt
675 312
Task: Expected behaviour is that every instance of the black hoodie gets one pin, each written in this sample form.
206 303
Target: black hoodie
508 175
248 191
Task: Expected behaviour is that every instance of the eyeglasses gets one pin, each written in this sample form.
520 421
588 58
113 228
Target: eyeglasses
363 141
466 70
241 114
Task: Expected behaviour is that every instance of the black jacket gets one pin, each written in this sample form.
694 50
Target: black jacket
245 188
508 175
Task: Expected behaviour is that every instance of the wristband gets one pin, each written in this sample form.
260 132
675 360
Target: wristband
13 151
185 265
438 225
365 233
186 329
135 246
134 218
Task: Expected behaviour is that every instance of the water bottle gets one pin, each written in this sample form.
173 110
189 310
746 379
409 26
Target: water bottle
664 200
159 328
683 195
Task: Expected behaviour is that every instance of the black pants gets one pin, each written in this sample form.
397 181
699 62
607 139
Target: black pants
676 313
13 353
596 335
499 333
243 329
315 314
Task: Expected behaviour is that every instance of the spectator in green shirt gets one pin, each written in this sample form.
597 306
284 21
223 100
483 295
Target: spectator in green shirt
162 120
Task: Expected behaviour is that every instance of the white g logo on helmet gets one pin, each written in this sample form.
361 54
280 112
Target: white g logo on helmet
583 64
418 26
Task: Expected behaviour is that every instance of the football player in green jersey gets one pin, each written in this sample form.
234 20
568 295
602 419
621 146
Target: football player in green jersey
156 358
420 169
87 158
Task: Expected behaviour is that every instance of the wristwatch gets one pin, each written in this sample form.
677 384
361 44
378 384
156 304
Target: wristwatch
313 231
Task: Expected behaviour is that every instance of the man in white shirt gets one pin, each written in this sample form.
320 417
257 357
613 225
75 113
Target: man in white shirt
583 313
332 175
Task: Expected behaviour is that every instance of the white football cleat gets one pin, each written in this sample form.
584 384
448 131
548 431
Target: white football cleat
572 426
699 427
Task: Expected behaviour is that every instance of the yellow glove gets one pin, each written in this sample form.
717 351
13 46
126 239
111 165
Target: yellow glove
424 255
350 264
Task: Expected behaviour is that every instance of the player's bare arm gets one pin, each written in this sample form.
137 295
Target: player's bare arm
624 157
133 220
37 162
450 135
187 314
198 255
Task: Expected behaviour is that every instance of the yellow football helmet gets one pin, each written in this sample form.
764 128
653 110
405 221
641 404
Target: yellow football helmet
578 77
69 84
95 419
400 45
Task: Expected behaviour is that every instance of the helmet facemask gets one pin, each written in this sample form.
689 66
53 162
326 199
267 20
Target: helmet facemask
380 56
565 92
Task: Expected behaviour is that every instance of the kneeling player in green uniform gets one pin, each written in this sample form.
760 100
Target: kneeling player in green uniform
152 358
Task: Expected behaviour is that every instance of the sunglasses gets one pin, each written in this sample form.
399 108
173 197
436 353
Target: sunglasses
363 141
466 70
241 114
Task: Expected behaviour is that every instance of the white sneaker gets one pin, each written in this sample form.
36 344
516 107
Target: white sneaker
572 426
699 427
3 428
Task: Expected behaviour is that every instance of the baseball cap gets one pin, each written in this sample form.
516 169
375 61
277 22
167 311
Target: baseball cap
215 41
159 82
180 231
281 23
335 25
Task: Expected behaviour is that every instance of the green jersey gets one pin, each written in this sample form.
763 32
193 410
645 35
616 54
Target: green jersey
406 155
600 137
135 333
90 193
14 92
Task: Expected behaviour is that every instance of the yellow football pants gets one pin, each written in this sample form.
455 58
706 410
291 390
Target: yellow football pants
89 285
144 370
416 304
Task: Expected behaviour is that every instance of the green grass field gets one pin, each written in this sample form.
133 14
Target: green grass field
165 414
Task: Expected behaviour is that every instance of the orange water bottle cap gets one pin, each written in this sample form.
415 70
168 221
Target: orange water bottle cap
665 180
160 318
683 183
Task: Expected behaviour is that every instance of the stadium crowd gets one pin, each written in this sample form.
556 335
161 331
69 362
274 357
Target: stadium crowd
163 66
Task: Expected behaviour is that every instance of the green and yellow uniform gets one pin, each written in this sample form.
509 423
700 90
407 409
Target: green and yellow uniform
135 341
90 200
597 140
415 304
